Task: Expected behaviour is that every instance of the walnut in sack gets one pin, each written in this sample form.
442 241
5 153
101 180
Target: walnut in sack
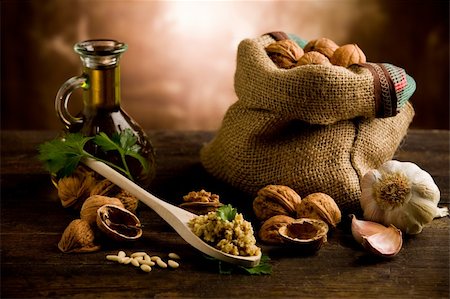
313 57
322 45
284 53
347 55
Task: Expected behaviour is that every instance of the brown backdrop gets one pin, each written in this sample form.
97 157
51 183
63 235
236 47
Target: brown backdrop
178 71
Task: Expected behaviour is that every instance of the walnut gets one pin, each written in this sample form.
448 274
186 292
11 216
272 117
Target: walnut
201 196
74 189
347 55
118 224
93 203
305 234
268 233
320 206
200 202
322 45
129 201
284 53
275 200
108 188
78 237
313 57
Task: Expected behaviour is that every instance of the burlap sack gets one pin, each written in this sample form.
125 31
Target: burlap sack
314 128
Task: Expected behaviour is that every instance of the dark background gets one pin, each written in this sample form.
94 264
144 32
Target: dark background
178 71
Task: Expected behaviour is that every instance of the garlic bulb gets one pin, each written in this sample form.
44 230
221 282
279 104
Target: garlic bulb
402 194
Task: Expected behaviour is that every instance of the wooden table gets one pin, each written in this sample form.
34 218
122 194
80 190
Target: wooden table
32 221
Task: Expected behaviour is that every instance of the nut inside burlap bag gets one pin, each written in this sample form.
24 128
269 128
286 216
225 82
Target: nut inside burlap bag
313 128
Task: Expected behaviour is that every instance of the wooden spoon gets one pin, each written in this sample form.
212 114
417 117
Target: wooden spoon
176 217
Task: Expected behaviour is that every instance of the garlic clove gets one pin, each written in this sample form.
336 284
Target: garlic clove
362 228
386 243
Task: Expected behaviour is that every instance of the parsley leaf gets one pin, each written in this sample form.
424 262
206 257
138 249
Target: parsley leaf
226 212
125 144
62 156
264 267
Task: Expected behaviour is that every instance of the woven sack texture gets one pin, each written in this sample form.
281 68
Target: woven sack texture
313 128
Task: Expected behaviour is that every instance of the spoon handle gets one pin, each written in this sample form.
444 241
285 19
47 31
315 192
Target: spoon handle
170 213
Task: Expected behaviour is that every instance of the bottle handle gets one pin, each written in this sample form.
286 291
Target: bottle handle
62 98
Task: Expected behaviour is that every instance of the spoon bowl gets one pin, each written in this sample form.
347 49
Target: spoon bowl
176 217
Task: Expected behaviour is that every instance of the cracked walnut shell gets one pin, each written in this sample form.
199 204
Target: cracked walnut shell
268 233
118 224
93 203
275 200
306 234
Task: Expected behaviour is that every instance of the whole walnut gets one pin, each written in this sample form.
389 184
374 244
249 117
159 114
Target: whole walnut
107 188
275 200
284 53
78 237
74 189
320 206
322 45
347 55
268 233
313 57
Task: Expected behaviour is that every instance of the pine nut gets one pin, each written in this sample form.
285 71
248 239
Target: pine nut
173 264
135 262
147 258
139 258
140 253
126 260
174 256
121 254
144 262
113 258
155 258
161 263
146 268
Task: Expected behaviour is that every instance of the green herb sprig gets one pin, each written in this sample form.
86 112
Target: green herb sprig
226 212
61 156
263 268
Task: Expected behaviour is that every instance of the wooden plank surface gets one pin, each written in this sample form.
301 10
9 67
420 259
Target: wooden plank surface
32 221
